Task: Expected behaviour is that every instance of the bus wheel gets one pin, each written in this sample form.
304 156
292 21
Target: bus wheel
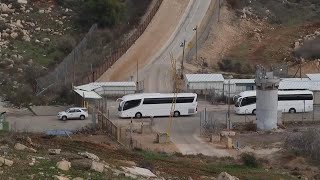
138 115
176 114
254 112
292 110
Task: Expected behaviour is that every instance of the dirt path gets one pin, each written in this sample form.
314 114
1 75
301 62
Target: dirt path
156 35
185 135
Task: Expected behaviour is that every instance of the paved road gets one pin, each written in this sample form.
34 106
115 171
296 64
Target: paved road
162 38
157 75
185 132
155 37
29 123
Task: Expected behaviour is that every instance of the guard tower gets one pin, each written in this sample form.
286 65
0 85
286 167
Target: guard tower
267 99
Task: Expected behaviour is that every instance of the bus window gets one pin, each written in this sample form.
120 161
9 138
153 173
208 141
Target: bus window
248 100
185 99
131 104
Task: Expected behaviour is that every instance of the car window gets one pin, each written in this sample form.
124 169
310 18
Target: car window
72 111
78 110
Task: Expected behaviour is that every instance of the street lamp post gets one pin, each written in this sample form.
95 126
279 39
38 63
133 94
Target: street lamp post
229 121
196 29
183 45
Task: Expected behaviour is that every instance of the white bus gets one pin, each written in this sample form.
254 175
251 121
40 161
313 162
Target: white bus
288 101
157 104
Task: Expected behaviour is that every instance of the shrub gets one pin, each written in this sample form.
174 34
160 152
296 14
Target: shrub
250 126
106 13
249 160
234 4
66 44
3 26
309 50
230 65
305 143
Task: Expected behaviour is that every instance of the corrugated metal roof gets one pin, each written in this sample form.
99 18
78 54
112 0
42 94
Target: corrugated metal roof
120 83
240 81
314 77
204 78
295 84
88 94
95 85
295 79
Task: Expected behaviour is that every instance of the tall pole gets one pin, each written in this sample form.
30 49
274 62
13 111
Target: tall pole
229 106
196 43
196 29
137 74
219 10
300 68
183 45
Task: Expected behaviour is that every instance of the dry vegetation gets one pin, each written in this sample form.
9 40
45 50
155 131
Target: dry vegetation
36 36
173 166
262 32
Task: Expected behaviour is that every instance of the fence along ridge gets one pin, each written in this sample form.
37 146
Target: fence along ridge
116 54
55 76
61 75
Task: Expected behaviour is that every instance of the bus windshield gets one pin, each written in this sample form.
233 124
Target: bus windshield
238 101
120 105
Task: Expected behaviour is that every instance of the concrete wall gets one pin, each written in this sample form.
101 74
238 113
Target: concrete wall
116 90
316 97
204 85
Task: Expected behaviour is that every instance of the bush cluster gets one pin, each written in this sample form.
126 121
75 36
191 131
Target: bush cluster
229 65
249 160
106 13
305 143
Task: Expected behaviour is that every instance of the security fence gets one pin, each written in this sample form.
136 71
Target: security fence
211 122
64 73
82 68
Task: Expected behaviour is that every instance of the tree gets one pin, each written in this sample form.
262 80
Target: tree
106 13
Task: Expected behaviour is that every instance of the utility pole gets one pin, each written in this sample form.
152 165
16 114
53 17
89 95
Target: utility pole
229 121
183 45
73 67
137 74
196 29
301 68
219 10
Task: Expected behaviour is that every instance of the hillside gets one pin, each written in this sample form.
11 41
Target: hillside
262 32
36 35
38 156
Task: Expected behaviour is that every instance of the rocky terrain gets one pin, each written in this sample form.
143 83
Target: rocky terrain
36 35
262 32
39 156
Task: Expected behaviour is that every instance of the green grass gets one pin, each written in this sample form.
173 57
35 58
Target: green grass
244 172
147 155
41 54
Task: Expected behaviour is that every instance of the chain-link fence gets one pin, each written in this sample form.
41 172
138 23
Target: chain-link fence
210 123
90 59
64 73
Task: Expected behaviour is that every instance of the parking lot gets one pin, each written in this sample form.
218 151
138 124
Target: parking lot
185 130
23 120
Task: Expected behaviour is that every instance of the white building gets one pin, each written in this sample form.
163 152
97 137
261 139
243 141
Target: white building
238 85
109 88
203 83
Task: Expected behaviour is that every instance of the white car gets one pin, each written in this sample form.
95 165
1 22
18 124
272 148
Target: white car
73 113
